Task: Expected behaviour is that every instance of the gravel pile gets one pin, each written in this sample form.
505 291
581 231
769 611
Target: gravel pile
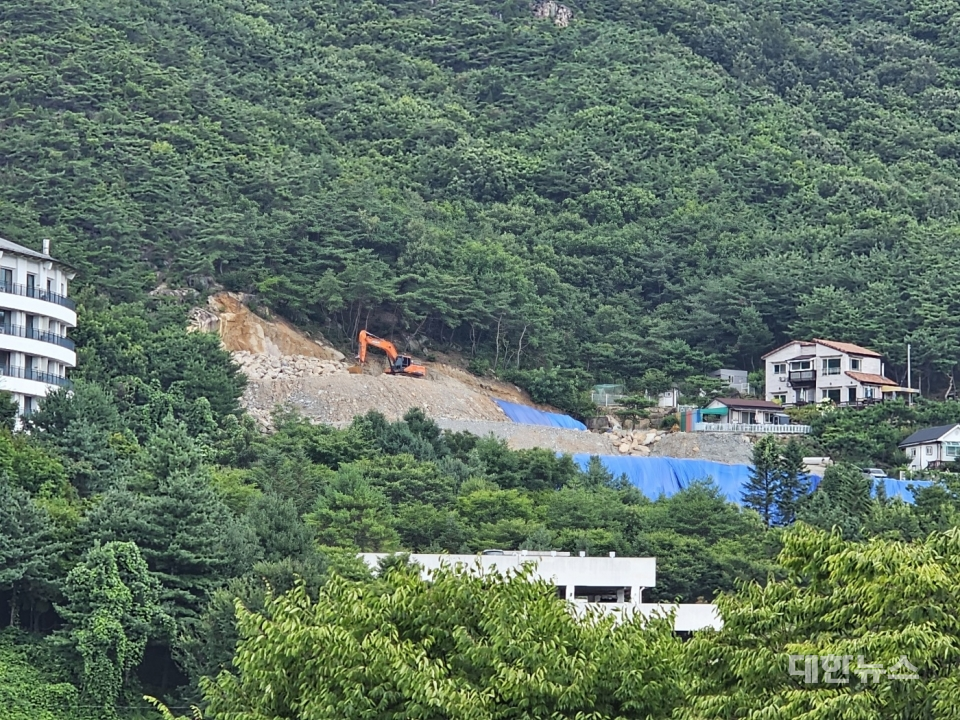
730 448
520 437
337 397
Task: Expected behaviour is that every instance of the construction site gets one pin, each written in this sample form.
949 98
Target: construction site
286 368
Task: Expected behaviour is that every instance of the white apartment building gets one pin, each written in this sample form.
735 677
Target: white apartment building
35 314
610 584
802 372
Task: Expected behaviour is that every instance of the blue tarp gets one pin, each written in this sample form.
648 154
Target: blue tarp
899 488
526 415
656 476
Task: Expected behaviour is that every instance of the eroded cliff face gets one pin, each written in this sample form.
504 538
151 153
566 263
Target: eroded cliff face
550 10
242 330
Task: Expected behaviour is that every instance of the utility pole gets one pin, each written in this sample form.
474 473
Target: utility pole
909 378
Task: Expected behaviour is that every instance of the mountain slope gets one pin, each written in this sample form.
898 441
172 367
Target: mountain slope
657 185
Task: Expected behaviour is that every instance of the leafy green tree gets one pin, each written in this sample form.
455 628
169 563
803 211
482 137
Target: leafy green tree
528 655
111 609
846 603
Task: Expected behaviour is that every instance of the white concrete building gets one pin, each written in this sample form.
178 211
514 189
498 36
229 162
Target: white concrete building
610 584
803 372
933 447
35 314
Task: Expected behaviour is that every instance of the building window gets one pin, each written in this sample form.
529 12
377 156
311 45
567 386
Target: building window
7 280
913 452
854 363
27 405
800 365
832 394
781 398
779 368
951 450
929 450
831 366
869 392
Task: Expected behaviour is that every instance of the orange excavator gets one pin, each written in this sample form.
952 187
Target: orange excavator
399 364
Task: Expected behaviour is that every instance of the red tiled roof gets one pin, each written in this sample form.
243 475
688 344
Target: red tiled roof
848 348
870 378
737 404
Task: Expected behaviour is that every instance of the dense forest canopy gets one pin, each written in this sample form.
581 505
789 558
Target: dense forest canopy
656 185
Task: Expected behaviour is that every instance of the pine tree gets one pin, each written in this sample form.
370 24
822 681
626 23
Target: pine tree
793 483
760 491
27 550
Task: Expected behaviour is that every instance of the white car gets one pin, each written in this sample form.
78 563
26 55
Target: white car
874 473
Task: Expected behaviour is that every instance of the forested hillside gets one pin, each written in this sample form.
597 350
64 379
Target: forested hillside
667 185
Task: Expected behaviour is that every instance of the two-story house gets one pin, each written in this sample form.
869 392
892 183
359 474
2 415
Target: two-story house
802 372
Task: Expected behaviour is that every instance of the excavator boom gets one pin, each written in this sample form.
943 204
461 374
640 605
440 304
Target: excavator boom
399 364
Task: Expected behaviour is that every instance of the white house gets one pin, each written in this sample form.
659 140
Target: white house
744 412
736 379
35 314
610 584
933 446
802 372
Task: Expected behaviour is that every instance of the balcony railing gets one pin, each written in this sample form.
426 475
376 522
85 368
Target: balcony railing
758 428
38 293
31 374
802 377
35 334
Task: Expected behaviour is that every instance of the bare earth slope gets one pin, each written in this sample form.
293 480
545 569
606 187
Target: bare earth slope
287 368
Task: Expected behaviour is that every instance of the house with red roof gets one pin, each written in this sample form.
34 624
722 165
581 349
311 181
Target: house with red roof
809 371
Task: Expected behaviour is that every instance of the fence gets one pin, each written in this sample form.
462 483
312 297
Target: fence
765 428
607 395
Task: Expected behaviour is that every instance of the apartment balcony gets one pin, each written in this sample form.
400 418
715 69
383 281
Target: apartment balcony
38 293
22 373
34 301
35 334
802 378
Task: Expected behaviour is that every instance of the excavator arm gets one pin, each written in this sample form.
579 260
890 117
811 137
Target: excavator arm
366 339
399 364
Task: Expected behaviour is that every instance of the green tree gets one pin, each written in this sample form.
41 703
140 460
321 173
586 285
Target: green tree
28 552
398 645
111 609
792 485
845 603
760 492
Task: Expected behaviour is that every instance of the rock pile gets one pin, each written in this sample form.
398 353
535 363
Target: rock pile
637 442
265 367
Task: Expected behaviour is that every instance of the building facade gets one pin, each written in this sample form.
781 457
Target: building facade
610 584
803 372
35 315
933 447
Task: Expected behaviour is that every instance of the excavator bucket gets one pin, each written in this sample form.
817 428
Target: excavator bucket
355 370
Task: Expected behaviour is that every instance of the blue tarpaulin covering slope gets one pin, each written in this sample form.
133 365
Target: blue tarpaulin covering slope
526 415
656 476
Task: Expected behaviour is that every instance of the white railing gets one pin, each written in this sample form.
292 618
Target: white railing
767 428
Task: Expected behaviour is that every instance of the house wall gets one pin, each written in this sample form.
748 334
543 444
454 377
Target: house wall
775 386
920 456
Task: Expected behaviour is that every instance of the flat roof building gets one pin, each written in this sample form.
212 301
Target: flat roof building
35 315
612 584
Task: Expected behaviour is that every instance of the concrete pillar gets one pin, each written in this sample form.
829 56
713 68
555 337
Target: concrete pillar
636 596
620 595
